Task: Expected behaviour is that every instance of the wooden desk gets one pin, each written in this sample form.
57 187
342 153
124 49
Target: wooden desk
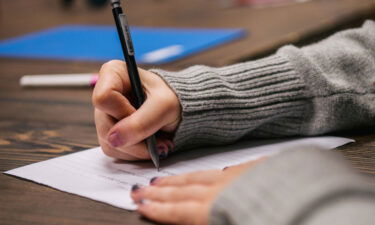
38 124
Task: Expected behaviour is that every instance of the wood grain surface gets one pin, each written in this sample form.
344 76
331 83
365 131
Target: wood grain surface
38 124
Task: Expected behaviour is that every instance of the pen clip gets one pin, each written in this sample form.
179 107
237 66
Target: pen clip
126 32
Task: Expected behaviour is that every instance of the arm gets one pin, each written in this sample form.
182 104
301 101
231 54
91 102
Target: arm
321 88
339 90
297 187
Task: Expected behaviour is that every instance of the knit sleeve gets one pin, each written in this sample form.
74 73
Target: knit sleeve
324 87
222 105
297 187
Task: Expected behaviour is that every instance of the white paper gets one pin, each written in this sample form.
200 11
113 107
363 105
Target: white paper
93 175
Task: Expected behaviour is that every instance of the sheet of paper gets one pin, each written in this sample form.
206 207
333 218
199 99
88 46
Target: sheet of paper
91 174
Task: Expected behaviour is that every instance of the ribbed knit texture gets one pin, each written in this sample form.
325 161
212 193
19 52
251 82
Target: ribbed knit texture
293 188
317 89
307 187
221 105
324 87
339 73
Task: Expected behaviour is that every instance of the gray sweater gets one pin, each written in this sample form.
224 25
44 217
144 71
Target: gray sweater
320 88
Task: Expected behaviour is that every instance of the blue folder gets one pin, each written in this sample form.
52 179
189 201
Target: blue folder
100 43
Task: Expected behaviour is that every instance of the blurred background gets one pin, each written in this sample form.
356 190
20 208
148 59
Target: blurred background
40 123
268 24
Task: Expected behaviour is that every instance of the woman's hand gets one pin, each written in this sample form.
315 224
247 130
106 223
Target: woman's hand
187 198
121 128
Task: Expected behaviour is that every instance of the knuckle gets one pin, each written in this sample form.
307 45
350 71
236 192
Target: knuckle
110 65
113 66
100 98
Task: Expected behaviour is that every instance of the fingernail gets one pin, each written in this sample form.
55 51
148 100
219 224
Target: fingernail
161 148
163 151
225 168
163 155
115 139
135 187
153 180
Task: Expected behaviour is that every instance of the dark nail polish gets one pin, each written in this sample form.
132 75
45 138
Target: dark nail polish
163 155
161 148
115 139
225 168
135 187
153 180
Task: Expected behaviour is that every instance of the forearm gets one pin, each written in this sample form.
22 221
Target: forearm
339 73
221 105
321 88
299 187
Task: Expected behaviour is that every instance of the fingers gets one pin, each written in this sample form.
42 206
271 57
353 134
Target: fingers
108 94
144 122
244 166
200 177
137 151
103 124
190 212
172 193
122 128
187 198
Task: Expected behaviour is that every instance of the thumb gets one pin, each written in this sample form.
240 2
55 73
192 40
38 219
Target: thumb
141 124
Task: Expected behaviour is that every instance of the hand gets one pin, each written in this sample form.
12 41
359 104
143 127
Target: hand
185 199
120 127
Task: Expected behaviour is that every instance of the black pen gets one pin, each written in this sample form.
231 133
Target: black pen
128 51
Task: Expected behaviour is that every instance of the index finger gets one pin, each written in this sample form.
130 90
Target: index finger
111 88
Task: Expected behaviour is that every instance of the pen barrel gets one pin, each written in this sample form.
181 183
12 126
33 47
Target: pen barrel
127 49
135 81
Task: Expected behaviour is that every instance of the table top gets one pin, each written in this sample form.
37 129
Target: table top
38 124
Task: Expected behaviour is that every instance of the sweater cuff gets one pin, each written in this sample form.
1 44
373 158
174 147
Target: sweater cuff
284 187
262 98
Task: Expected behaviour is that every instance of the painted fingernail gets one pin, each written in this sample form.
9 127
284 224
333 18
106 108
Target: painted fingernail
135 187
162 151
161 148
163 155
115 139
225 168
153 180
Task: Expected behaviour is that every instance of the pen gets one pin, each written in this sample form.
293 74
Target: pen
128 51
59 80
